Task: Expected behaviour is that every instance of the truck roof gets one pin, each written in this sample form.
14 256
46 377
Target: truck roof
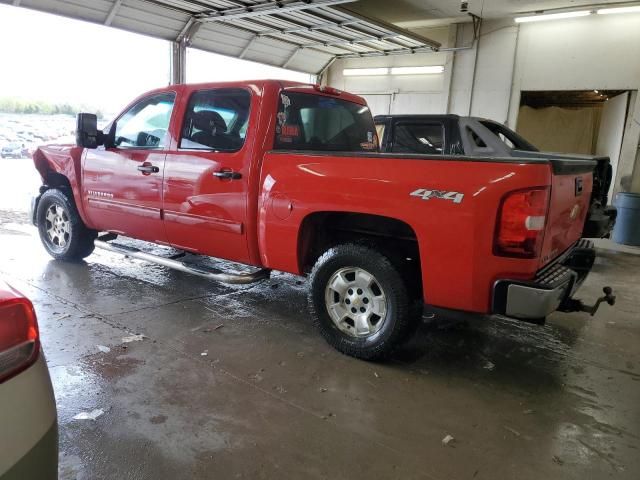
261 84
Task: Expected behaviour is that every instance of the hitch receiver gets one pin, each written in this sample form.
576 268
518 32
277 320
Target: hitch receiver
573 305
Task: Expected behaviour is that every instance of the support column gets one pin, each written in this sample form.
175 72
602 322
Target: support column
628 172
178 63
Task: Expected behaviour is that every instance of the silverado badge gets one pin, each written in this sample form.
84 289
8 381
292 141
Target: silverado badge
426 194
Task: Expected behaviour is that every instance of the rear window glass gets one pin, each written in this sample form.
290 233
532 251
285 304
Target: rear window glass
315 122
418 138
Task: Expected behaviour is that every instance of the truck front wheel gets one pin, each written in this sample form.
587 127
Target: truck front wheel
360 302
62 231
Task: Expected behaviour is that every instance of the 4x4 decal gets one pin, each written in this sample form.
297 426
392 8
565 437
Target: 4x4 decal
426 194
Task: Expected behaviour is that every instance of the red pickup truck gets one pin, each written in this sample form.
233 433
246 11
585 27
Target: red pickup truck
287 176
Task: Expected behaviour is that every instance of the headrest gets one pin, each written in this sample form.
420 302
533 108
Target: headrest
209 121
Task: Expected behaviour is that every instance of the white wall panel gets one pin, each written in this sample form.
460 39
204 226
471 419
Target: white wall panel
419 103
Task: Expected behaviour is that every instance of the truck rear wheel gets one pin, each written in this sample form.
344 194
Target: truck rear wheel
62 231
360 302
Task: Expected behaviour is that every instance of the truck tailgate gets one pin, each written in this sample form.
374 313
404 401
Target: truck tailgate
570 193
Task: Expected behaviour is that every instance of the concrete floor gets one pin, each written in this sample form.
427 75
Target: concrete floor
234 382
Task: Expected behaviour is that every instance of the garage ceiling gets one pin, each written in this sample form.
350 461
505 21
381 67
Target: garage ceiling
303 35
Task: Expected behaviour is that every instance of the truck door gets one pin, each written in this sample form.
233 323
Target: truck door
122 184
206 176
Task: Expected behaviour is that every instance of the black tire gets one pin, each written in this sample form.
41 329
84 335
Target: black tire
74 243
400 318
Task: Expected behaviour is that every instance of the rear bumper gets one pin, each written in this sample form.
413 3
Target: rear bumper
553 286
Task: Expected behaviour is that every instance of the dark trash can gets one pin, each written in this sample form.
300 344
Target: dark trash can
627 228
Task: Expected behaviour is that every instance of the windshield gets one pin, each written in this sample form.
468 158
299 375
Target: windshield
316 122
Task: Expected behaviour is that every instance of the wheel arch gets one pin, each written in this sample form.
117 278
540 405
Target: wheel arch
59 167
395 238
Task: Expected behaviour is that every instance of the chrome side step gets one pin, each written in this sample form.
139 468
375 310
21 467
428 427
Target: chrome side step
232 278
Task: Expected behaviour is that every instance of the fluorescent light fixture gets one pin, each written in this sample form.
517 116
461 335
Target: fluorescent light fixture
606 11
553 16
355 72
417 70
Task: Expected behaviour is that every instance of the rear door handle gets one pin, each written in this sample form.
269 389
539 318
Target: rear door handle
148 169
228 174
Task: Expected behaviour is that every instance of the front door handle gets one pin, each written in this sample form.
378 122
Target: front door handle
147 168
228 174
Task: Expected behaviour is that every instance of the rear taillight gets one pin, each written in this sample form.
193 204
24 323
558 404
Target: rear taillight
521 220
19 337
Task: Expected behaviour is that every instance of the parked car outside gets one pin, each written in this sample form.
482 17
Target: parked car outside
12 150
28 419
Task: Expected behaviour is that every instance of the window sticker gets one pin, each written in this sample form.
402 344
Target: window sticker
282 116
289 130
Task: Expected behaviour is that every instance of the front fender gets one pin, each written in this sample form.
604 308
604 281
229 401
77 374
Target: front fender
61 166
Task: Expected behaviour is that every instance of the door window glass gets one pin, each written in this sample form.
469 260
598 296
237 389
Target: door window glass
216 120
145 125
418 138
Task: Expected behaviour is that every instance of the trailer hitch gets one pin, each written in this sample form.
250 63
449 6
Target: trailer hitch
574 305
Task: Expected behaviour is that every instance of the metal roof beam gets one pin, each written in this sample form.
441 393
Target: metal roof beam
310 28
113 12
397 51
290 59
248 46
390 27
314 42
354 29
189 31
363 40
261 9
278 32
278 38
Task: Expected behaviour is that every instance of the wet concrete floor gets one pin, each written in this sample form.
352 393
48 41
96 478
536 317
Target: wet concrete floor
233 382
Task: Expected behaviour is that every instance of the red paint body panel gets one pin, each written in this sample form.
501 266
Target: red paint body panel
119 198
567 214
455 240
257 219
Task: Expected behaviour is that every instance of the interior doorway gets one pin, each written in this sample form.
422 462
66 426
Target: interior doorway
589 122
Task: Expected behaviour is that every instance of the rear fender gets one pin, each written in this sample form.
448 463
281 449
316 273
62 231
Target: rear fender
449 203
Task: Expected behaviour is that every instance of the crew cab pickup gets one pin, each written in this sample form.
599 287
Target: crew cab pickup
455 135
286 176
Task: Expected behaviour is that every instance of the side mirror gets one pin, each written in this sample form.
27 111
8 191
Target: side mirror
87 133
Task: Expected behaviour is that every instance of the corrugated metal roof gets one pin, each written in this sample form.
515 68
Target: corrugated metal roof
303 35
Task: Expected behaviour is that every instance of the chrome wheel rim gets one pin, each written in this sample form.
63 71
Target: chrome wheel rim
58 226
356 302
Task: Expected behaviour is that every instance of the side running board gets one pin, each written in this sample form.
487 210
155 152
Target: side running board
233 278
